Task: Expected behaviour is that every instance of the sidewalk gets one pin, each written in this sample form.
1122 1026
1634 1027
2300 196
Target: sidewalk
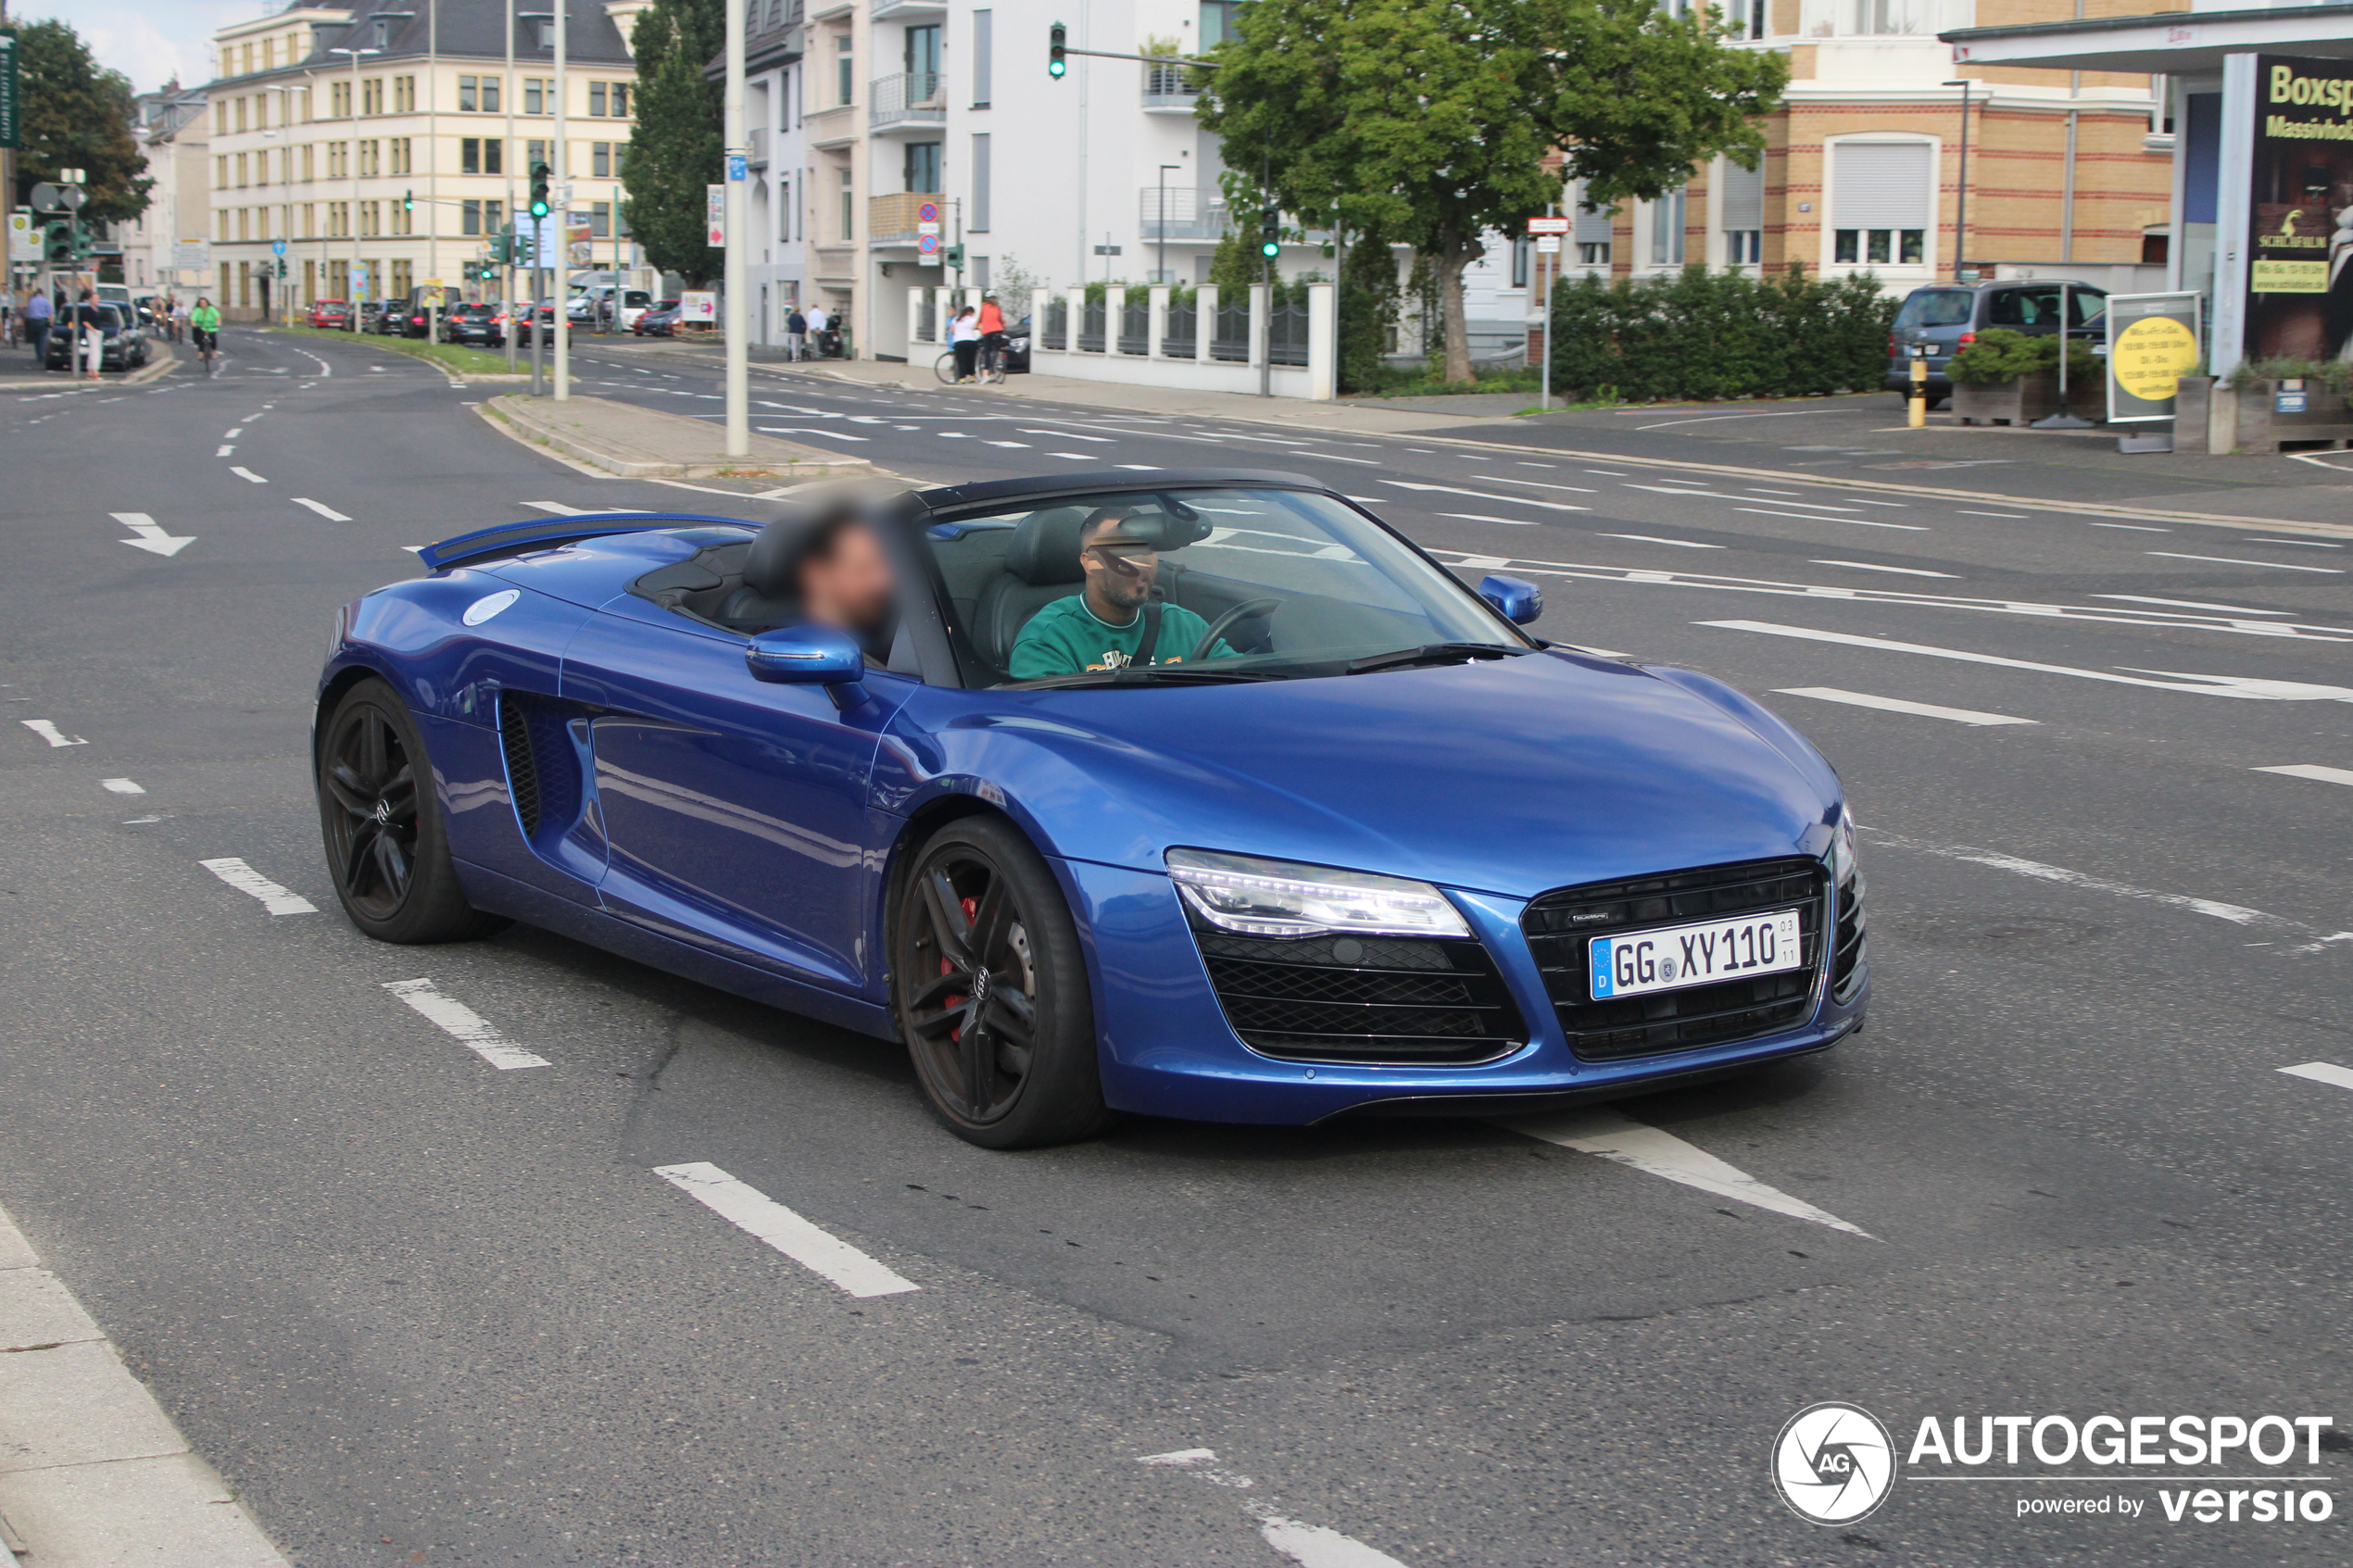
640 444
17 374
93 1473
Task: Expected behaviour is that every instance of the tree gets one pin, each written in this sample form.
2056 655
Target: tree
676 149
1434 121
76 116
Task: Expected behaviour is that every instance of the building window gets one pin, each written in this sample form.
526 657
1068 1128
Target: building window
1592 253
490 94
309 168
1522 247
309 220
240 172
848 225
339 100
600 160
600 220
620 100
597 99
403 154
920 163
1740 213
403 280
1667 230
984 44
239 110
470 218
371 95
1217 21
538 95
1881 194
469 94
369 165
980 184
404 94
244 222
784 210
480 154
371 223
1743 248
221 172
846 82
493 217
535 153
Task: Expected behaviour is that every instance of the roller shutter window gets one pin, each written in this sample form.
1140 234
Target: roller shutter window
1743 213
1667 230
1591 234
1880 200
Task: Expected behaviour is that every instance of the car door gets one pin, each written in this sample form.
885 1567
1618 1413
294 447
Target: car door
735 811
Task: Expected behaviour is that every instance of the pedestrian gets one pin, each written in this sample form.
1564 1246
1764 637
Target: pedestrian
817 324
992 338
92 334
796 335
204 322
963 337
39 317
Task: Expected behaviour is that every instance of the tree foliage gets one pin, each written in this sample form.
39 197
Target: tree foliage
76 116
677 148
1434 121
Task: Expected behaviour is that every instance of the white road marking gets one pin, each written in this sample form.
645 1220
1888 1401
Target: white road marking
477 1033
953 434
1142 468
1022 445
555 507
1075 456
233 434
1870 565
2312 770
1074 436
1483 495
225 451
1898 705
2014 517
1649 539
123 786
1470 517
2300 544
787 1231
1605 473
248 475
1541 483
2188 604
2211 685
245 879
1310 1546
51 734
1857 521
1611 1136
321 508
837 434
2233 561
2323 1072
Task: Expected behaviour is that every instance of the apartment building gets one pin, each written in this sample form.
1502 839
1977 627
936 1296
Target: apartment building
393 137
169 126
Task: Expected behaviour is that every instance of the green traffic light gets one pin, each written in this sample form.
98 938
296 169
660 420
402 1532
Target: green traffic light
1270 250
539 209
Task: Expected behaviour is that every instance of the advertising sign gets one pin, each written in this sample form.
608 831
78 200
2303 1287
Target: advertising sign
7 88
2151 344
2299 274
715 202
192 256
24 240
700 308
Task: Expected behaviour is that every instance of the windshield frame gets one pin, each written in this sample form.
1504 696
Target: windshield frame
946 647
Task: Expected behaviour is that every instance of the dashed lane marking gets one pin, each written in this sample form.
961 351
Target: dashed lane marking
2188 604
123 786
1872 566
2233 560
1310 1546
1466 517
2312 770
248 476
1898 705
835 434
2133 527
225 451
2323 1072
1074 436
468 1027
245 879
1484 495
233 434
815 1250
555 507
1854 521
50 732
321 508
1654 539
1609 1135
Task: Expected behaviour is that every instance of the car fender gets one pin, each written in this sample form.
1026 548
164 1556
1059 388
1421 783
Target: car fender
1767 725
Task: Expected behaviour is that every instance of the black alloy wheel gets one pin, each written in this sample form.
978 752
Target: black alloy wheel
383 834
991 991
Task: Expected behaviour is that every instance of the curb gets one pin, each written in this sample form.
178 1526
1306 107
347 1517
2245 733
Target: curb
91 1470
538 430
366 340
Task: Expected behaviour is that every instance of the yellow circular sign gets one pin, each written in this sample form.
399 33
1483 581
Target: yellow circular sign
2151 356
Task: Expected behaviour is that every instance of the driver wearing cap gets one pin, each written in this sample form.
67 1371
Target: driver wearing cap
1115 624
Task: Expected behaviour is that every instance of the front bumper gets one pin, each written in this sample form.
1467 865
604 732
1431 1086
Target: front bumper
1168 1050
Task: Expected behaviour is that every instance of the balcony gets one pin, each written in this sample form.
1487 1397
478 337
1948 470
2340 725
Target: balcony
758 140
906 10
912 100
1178 212
891 219
1170 88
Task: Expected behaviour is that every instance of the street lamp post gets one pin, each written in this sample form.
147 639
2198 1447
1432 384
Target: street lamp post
735 153
1960 211
557 288
352 152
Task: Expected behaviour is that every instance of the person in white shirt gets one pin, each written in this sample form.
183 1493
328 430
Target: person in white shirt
963 337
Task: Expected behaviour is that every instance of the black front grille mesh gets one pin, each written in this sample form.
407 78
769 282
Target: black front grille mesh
523 771
1368 1000
1559 924
1850 949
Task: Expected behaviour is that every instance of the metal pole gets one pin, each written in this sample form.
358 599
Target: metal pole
1960 213
737 276
539 338
433 138
1266 317
563 208
507 162
1545 396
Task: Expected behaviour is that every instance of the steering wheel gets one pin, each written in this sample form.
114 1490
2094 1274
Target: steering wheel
1241 611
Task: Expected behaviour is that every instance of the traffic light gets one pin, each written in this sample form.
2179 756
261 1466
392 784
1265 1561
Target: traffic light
1055 64
539 173
954 256
281 271
408 201
57 244
1270 233
497 249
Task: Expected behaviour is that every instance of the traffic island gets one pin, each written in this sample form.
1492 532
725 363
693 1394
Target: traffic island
639 444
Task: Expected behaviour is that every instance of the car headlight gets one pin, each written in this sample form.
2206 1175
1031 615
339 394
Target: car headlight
1843 866
1258 898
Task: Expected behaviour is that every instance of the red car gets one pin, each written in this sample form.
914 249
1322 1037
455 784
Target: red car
333 313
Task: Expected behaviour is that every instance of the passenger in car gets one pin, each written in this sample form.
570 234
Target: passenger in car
1115 622
843 578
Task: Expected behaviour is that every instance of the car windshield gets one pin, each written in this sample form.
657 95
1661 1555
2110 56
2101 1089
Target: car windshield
1225 583
1936 307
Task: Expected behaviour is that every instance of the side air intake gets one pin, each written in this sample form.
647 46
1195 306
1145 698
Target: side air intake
522 769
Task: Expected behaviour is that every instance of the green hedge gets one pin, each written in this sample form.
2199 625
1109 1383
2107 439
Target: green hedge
2000 355
1699 335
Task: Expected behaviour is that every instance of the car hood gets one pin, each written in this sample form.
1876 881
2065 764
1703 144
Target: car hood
1506 777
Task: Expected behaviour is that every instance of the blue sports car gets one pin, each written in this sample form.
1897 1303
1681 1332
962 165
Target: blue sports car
1199 794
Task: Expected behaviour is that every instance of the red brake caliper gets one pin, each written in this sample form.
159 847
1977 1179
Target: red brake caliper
972 910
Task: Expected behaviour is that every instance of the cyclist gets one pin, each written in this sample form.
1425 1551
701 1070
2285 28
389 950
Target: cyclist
204 322
992 339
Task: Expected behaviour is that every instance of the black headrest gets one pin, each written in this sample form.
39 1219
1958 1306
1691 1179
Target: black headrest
1044 550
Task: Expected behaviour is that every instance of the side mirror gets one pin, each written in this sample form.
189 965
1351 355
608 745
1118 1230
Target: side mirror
809 655
1516 598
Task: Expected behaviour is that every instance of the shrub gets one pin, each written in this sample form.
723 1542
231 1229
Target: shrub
2000 355
1702 334
2335 374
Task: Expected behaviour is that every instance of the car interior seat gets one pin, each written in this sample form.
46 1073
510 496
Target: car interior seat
1041 565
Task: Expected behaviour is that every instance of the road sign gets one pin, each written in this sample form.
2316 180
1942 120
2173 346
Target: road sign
277 247
192 256
1548 225
738 167
927 229
927 245
47 198
24 240
1548 245
927 212
715 205
7 88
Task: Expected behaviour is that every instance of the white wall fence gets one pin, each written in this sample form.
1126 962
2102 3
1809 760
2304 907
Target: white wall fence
1204 349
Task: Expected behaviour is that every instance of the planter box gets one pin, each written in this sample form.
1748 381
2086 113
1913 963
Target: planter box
2023 401
2248 417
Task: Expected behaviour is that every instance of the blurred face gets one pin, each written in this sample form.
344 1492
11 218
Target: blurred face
850 584
1120 569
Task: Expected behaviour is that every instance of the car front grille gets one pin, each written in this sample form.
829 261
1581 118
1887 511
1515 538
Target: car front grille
1559 924
1376 999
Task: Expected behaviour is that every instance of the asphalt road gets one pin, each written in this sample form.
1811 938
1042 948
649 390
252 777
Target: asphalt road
418 1308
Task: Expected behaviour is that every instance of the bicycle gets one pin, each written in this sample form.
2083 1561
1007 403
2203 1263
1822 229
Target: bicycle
990 365
206 344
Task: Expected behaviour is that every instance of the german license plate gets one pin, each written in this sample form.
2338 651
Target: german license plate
1695 955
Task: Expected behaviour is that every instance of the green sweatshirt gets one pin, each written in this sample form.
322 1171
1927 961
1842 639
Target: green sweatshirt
1066 637
205 319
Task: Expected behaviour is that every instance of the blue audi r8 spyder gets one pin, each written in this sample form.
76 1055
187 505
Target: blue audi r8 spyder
1349 840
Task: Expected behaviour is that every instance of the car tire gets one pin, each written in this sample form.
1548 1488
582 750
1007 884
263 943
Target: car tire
388 847
1008 1063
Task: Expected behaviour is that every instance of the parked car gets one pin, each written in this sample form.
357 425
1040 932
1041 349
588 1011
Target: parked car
335 313
379 318
1947 317
1355 843
531 324
656 320
126 344
582 310
481 325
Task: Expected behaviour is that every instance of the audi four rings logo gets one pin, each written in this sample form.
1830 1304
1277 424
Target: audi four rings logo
1833 1463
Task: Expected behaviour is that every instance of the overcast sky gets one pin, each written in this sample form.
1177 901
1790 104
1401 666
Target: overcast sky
148 40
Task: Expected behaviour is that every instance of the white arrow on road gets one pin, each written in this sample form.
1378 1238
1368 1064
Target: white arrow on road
151 535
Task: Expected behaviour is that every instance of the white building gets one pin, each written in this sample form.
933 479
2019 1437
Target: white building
169 126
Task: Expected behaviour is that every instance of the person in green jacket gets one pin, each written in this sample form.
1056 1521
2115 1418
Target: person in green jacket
1107 626
205 321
